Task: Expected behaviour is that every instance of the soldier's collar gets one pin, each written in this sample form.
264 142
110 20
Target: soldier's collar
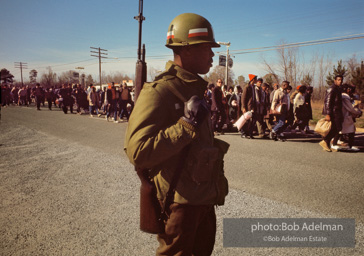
183 74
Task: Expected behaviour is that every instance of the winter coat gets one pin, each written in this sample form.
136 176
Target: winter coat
156 136
281 97
300 107
248 98
93 98
234 112
333 106
348 111
216 99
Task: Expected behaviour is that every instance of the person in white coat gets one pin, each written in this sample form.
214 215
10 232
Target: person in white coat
349 114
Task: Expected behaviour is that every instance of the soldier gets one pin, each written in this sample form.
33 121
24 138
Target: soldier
170 132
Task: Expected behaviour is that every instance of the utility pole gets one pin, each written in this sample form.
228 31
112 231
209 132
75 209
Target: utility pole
227 60
22 66
100 54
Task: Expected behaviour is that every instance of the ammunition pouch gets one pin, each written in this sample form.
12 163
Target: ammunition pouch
206 163
201 163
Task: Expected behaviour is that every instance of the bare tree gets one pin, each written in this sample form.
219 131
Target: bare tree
323 67
290 64
48 79
271 71
352 63
67 78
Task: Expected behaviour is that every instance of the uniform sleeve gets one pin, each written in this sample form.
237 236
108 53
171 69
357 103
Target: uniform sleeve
152 137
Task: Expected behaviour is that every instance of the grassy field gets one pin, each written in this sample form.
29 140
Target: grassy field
317 115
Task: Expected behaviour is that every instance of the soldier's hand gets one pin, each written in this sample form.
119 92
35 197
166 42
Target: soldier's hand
195 110
327 118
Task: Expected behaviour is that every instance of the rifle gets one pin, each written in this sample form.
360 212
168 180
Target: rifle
141 65
150 208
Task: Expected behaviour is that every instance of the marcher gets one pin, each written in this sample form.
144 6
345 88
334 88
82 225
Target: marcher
93 99
267 117
218 108
5 95
290 115
81 100
282 101
308 97
208 94
23 96
29 94
234 104
65 93
124 99
333 112
38 95
275 88
170 128
248 103
49 97
15 94
349 115
112 102
259 111
300 110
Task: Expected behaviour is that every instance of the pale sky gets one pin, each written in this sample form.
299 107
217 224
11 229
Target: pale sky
59 34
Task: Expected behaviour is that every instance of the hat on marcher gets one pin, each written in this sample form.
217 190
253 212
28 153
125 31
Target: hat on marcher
251 77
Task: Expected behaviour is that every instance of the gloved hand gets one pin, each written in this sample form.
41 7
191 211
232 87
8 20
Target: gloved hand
195 110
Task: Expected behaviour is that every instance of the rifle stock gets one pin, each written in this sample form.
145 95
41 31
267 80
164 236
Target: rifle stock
150 208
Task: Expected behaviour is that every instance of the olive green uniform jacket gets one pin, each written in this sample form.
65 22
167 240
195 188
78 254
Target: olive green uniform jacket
156 137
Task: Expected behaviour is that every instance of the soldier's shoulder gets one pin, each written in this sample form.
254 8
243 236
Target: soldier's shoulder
161 83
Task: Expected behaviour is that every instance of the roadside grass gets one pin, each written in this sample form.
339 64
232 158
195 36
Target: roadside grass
317 115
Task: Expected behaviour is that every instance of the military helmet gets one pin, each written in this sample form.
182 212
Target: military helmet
189 29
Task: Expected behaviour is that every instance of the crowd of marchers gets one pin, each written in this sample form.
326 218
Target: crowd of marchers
256 111
115 102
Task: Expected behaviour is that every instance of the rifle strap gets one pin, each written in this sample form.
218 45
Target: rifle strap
177 174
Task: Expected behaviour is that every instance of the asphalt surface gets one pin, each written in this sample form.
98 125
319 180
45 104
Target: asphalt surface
67 188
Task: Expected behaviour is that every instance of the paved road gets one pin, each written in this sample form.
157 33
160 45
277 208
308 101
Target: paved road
67 187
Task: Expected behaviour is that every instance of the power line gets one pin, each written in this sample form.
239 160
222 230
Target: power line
300 44
64 64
